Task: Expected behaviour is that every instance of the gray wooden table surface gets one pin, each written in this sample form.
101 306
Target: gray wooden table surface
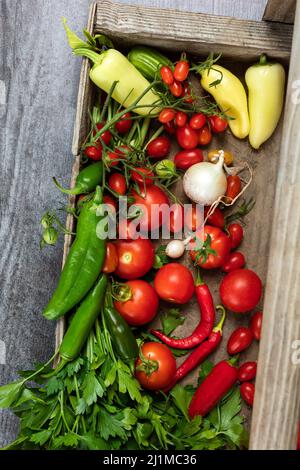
38 90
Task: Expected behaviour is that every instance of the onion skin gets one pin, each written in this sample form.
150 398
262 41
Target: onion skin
175 249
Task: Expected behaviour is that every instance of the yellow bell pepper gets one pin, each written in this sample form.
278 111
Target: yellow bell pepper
265 83
230 96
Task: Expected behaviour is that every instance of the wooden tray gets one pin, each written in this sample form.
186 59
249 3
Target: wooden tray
272 238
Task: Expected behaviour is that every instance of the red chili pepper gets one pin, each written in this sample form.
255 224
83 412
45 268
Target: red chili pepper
213 388
200 353
247 371
247 392
204 328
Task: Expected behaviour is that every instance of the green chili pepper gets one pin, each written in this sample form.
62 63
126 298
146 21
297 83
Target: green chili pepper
83 264
122 337
86 181
148 61
83 321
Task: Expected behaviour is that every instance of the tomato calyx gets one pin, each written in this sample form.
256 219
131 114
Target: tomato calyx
121 291
147 365
204 252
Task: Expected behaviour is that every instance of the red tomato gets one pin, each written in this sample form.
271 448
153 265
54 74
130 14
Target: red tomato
170 128
204 136
241 290
197 121
180 119
216 219
234 187
112 158
159 147
111 259
117 183
157 367
236 234
142 307
256 324
105 137
174 283
247 392
124 124
193 218
142 175
239 340
166 75
186 93
176 89
234 261
135 258
247 371
109 200
153 203
187 138
176 218
218 124
166 115
94 152
186 158
181 70
219 243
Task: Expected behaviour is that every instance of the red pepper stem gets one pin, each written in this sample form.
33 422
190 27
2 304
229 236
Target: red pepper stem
234 360
199 279
221 322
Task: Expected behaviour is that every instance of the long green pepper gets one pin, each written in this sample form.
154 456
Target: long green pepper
86 181
83 264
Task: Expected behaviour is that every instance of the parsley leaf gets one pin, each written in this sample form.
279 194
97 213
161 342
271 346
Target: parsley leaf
92 388
171 320
182 399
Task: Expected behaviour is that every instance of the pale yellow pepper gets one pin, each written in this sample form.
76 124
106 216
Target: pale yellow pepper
266 82
230 96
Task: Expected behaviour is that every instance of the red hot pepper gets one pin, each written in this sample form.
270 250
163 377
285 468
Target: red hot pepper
213 388
204 328
200 353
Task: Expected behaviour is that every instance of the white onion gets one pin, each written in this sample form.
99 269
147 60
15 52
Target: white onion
205 182
175 249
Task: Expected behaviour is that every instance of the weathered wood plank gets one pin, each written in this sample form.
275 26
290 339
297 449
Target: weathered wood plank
277 10
277 408
196 31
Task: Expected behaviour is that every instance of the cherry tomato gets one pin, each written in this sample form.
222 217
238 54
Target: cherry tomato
135 258
234 261
187 138
219 243
216 219
204 136
170 128
239 340
193 218
166 75
176 218
234 187
157 367
159 147
218 124
153 204
166 115
197 121
180 119
142 175
241 290
247 392
214 155
247 371
105 137
174 283
117 183
186 93
123 150
236 234
109 200
181 70
176 89
94 152
256 324
124 124
111 258
186 158
142 307
111 159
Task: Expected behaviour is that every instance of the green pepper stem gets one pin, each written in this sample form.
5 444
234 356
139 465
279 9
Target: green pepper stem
263 60
199 279
98 198
76 190
221 322
234 360
85 52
